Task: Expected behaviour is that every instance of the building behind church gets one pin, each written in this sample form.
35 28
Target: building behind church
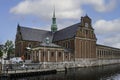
74 43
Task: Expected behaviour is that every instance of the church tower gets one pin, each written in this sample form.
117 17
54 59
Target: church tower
54 25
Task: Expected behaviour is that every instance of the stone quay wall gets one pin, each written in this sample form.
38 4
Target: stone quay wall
81 63
61 65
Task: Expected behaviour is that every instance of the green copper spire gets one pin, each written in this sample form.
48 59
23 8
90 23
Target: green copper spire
54 25
54 13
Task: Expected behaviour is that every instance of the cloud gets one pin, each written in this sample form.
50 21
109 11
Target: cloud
105 27
44 8
65 9
113 40
108 32
101 6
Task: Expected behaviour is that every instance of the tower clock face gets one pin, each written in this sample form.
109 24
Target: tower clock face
86 24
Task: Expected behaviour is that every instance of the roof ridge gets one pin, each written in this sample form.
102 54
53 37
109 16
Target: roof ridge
107 46
34 28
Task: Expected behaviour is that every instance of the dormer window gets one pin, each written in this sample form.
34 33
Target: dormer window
29 45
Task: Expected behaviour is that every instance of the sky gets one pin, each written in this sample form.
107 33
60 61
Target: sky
105 15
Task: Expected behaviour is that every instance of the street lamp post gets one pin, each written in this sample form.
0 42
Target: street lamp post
44 58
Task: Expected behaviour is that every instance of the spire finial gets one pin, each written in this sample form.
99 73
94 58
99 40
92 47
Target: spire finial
18 24
54 12
18 27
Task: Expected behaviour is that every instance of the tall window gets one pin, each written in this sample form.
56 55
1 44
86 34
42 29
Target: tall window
66 44
52 54
69 44
59 54
44 53
86 32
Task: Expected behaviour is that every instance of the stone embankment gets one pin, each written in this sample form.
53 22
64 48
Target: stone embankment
20 70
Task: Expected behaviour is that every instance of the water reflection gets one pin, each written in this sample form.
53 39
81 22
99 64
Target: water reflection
111 72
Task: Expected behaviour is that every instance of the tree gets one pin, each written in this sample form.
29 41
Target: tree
8 48
1 53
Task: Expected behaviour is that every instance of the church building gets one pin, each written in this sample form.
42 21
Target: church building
75 42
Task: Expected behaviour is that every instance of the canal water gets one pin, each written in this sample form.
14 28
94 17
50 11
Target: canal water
111 72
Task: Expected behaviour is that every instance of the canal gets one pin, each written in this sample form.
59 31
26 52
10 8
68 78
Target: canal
111 72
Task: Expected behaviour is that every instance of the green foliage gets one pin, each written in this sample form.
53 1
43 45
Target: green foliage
1 53
8 47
